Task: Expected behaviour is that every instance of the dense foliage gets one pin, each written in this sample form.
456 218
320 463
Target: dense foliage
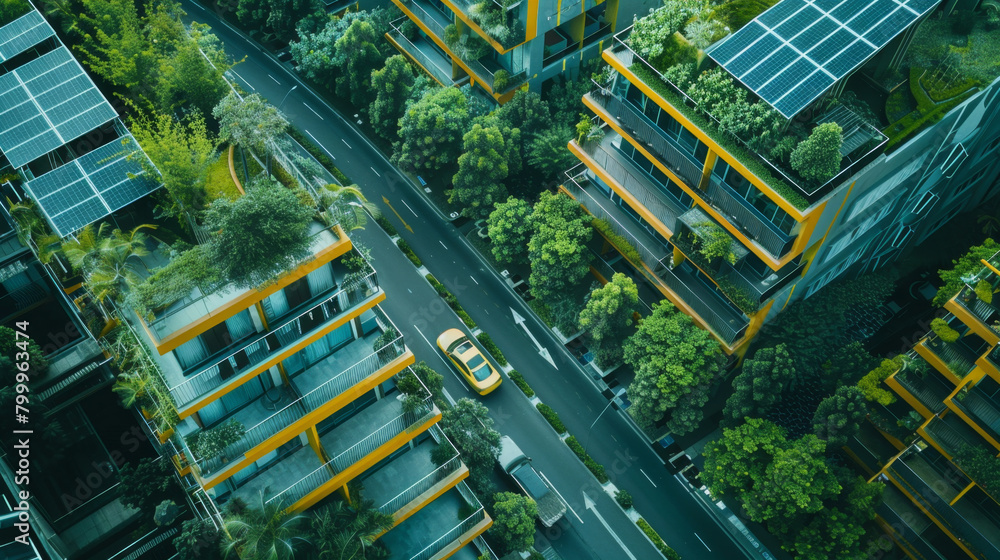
513 521
607 316
557 251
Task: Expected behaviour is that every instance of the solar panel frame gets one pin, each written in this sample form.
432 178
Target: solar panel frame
22 34
835 37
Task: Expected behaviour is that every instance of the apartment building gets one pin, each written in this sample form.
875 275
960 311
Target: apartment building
726 229
941 498
503 46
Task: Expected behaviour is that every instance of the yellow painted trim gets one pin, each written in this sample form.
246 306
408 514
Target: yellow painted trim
249 297
312 418
934 518
465 538
939 364
531 29
238 380
429 496
613 60
962 493
984 331
379 453
915 403
902 543
950 403
413 59
529 32
992 268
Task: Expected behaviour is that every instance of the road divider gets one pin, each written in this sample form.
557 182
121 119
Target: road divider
408 251
492 348
657 541
518 380
451 300
552 417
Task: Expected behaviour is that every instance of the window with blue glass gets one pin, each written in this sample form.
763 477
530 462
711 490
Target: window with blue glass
659 177
683 139
745 189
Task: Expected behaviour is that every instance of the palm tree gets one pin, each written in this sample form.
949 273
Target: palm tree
31 227
343 533
268 532
346 205
105 259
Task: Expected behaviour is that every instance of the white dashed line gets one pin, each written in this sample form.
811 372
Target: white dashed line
473 279
647 478
275 79
376 172
320 145
703 542
314 112
346 144
443 245
415 215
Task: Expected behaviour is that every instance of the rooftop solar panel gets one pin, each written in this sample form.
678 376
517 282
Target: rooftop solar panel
22 34
796 50
46 103
93 185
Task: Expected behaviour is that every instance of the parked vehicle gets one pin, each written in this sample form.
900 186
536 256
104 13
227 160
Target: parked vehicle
516 464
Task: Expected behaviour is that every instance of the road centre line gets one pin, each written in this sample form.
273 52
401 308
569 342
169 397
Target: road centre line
346 144
443 245
474 279
320 145
377 173
314 112
647 478
275 79
242 78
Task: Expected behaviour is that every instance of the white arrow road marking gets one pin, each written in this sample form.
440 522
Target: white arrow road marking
592 506
543 351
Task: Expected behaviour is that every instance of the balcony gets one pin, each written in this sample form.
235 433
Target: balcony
604 159
980 408
557 46
405 484
433 532
425 53
428 15
720 316
492 21
311 391
909 525
267 349
359 437
929 390
747 218
971 309
951 434
954 357
870 449
295 466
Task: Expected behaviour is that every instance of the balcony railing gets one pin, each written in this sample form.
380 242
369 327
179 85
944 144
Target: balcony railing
432 66
329 390
983 409
425 17
957 361
270 344
596 36
466 525
929 389
489 77
352 455
643 130
910 540
714 315
637 183
985 311
947 436
744 216
423 485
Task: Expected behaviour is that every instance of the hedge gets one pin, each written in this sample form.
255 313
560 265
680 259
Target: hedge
552 417
670 553
405 248
452 302
518 380
492 348
621 243
596 468
387 225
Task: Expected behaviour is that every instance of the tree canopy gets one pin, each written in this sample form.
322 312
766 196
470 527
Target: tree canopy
514 521
557 249
392 86
482 169
839 416
509 227
250 122
431 131
607 316
817 158
469 426
760 383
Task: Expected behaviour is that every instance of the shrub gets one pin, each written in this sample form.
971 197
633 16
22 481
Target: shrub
452 302
387 225
173 282
623 498
211 443
492 348
871 383
670 553
984 291
518 380
621 243
441 290
944 330
500 81
405 248
465 318
817 158
552 417
596 468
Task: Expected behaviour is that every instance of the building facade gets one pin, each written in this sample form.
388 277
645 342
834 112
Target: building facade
502 47
667 179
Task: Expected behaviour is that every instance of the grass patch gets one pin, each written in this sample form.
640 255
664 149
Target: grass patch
405 248
452 302
552 417
596 468
519 380
670 553
492 348
219 182
621 243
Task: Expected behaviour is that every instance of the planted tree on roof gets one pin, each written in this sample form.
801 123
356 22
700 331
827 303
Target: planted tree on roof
267 531
965 266
250 123
670 356
259 235
653 34
760 383
350 531
557 249
817 158
114 46
607 317
108 260
431 131
482 169
392 86
513 522
189 80
716 90
509 228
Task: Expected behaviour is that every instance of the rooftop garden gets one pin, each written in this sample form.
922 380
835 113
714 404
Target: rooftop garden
12 9
797 158
499 21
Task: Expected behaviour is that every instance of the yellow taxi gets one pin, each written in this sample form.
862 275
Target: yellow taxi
474 367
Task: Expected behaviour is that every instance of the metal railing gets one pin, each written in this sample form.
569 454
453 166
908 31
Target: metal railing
955 359
744 216
628 57
423 58
268 344
305 404
727 330
351 455
395 503
928 390
424 16
596 35
464 526
946 435
984 311
983 409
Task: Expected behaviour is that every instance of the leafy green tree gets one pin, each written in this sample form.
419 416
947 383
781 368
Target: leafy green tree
146 484
759 385
469 426
13 9
548 154
796 481
187 79
837 530
260 234
431 131
715 90
652 33
740 457
182 152
670 356
38 364
980 464
198 540
839 416
346 206
482 169
969 263
357 46
557 250
392 86
250 123
817 158
565 102
274 20
315 53
342 532
608 315
113 44
526 111
847 365
510 229
688 414
513 522
265 532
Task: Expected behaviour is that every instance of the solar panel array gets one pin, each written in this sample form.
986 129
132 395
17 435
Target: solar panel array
796 50
22 34
93 185
46 103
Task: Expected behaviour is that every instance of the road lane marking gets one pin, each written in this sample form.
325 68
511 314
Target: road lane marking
443 245
703 542
565 503
377 173
451 369
474 280
647 478
589 503
275 79
386 201
415 215
242 78
346 144
320 145
314 112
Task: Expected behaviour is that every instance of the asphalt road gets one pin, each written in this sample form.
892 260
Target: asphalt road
421 315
